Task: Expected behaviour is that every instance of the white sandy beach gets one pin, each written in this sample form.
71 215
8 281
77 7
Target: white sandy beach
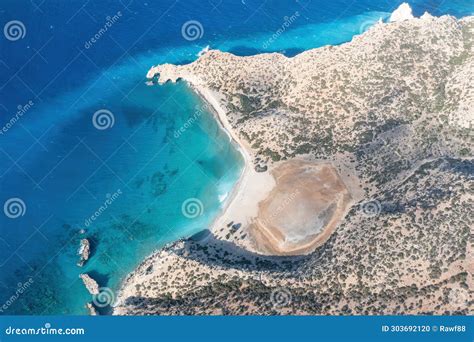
252 187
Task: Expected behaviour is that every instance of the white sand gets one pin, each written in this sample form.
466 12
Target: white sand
252 187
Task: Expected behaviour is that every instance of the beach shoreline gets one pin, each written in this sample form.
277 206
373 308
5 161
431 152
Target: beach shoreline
234 209
246 179
243 205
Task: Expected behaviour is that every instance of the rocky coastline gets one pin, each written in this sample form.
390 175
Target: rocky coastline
391 113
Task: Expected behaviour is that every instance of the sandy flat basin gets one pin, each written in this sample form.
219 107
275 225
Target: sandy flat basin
302 210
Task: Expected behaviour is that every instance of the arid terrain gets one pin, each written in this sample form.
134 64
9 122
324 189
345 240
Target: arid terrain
301 211
357 196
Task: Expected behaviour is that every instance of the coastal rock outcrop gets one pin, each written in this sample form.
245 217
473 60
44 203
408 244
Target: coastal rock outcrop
84 252
92 309
91 285
403 12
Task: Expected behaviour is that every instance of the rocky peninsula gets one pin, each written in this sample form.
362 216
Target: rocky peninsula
357 194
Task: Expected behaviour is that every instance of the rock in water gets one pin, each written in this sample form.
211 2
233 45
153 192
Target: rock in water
90 284
92 310
84 252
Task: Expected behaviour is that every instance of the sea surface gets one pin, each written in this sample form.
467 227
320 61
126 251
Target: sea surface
89 149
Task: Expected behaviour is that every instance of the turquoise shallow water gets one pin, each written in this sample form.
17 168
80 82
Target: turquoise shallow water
65 169
146 171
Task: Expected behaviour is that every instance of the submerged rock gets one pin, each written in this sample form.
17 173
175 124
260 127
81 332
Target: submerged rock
84 252
90 284
92 310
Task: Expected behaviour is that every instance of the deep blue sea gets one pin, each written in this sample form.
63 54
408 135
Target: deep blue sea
86 144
